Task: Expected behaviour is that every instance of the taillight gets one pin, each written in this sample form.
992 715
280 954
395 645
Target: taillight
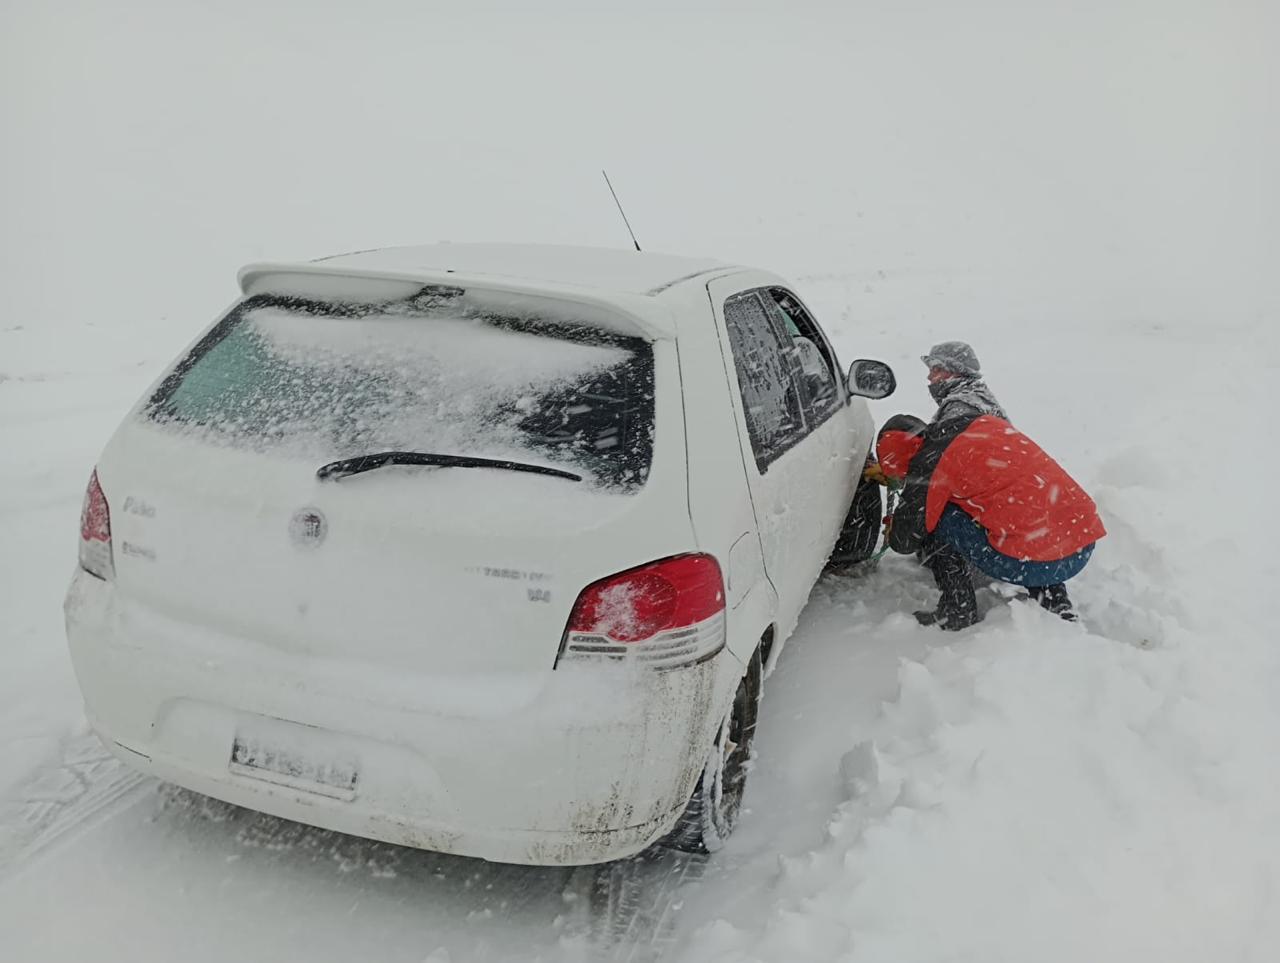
663 614
95 532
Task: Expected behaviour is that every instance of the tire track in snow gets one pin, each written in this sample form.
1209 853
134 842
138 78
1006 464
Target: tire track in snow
66 797
634 903
630 907
620 912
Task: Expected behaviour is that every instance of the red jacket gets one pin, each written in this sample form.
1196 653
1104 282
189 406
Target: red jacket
1029 506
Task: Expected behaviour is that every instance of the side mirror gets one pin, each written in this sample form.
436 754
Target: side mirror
871 379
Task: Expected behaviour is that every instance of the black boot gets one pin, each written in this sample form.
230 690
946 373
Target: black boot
958 606
1053 598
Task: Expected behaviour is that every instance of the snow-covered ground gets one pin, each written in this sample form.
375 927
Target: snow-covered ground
1086 194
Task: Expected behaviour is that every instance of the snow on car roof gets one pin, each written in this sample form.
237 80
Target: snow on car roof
616 286
606 269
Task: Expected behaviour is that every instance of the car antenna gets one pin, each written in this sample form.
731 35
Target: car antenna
620 210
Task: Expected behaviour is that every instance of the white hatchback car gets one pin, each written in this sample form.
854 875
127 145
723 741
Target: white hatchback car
482 549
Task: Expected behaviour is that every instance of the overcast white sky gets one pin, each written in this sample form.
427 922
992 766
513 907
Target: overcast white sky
1119 155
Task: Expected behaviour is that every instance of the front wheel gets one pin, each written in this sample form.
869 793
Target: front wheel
712 811
861 531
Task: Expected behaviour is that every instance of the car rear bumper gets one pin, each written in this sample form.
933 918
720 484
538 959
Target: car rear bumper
583 764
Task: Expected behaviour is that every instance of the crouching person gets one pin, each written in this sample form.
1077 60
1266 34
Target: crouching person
976 491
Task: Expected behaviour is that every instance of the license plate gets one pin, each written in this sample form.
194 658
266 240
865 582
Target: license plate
296 767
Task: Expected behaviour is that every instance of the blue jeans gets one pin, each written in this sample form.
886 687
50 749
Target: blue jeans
957 529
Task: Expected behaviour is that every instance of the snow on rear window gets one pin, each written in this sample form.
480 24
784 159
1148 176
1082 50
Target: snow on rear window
326 380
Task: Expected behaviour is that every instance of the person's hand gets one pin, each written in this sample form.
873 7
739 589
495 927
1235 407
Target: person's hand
875 473
888 526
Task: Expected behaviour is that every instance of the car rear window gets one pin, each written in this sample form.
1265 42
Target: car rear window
325 380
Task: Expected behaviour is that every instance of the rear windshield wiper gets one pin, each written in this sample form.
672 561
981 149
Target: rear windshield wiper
362 463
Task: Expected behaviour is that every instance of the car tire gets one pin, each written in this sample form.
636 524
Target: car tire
712 810
861 531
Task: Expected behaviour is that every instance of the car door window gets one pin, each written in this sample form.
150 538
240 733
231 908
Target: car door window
768 377
820 392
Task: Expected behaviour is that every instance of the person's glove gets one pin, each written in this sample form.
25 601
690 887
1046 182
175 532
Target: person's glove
875 473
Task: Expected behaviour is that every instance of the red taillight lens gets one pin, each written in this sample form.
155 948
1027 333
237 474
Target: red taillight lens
95 532
638 604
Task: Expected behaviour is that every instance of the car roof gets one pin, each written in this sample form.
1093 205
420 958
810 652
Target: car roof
609 279
604 269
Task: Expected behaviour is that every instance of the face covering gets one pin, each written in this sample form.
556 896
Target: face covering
939 390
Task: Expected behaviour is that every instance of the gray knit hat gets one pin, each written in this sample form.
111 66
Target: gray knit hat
956 356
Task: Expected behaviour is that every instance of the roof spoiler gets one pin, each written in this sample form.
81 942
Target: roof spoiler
623 314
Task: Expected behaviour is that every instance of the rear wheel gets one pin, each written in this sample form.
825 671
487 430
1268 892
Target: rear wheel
712 811
861 530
